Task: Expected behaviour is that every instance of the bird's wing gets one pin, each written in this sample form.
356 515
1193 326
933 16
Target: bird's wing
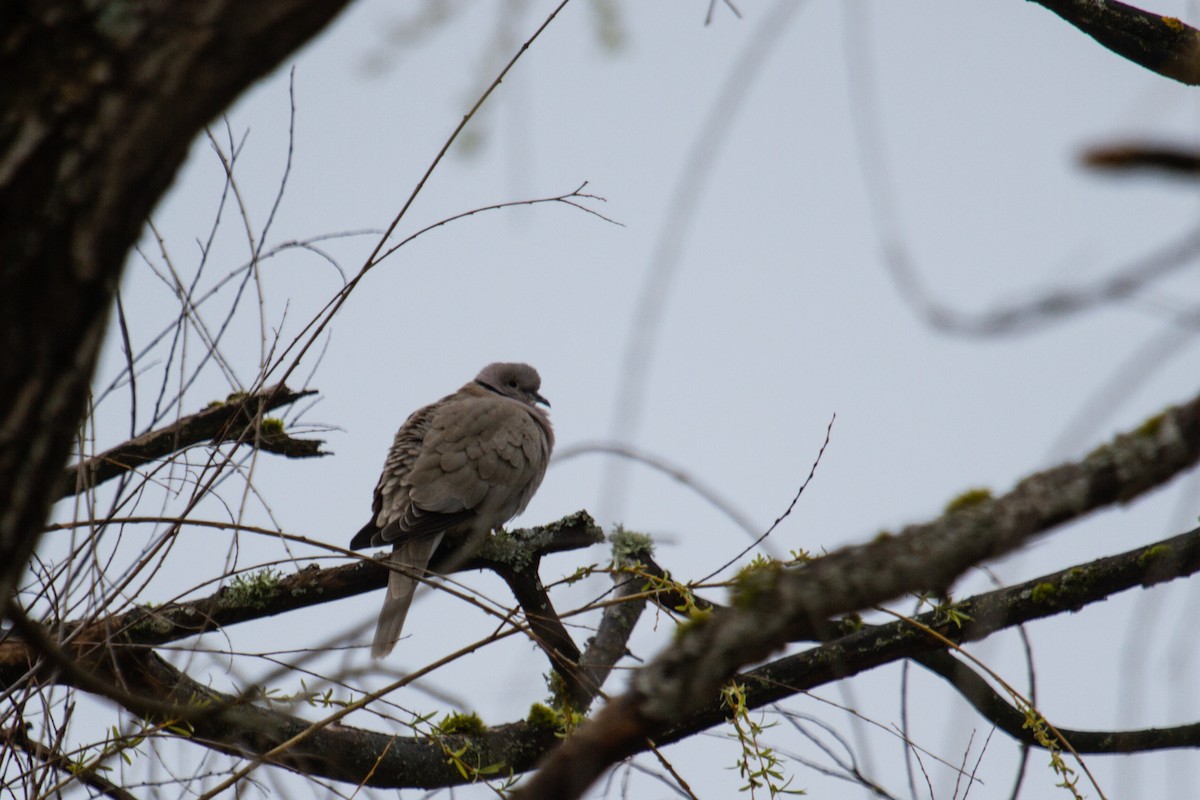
469 455
393 513
482 453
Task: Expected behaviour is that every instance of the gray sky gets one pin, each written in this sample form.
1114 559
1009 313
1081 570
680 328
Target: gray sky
952 129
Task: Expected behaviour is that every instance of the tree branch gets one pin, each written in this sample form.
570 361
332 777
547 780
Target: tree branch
92 131
313 586
775 605
878 645
994 708
611 642
17 736
235 725
1067 590
1160 44
1178 160
215 424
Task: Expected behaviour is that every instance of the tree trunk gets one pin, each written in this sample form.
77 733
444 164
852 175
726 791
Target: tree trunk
99 103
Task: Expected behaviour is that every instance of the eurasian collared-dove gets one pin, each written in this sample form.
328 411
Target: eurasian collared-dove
458 469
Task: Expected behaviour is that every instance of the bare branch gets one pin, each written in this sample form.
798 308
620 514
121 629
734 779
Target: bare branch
610 644
994 708
1180 161
18 737
1160 44
709 493
215 425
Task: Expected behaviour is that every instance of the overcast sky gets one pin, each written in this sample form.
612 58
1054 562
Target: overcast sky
758 167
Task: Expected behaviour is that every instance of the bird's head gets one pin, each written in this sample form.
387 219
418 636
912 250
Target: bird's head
515 380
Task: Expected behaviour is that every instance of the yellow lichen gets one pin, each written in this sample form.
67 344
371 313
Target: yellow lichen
969 498
1151 553
1043 592
1151 426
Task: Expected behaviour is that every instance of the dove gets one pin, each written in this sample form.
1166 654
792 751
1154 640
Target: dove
458 469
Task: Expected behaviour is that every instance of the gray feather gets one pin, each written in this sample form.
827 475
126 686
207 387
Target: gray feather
458 469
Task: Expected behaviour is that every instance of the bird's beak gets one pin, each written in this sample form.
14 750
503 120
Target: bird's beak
538 398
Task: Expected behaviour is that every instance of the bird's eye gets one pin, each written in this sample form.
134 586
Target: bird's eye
512 384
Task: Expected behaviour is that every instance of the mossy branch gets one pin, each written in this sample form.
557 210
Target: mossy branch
686 676
220 422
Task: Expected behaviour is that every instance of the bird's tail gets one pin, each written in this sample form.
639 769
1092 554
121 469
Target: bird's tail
408 559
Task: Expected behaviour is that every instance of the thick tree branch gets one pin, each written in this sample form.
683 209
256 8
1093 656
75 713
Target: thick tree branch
216 424
611 642
545 627
313 586
1046 596
108 658
1161 44
98 107
235 725
775 605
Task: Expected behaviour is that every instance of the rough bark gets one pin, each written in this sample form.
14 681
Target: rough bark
99 103
1159 43
775 605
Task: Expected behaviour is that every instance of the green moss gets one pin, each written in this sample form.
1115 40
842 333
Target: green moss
558 689
1152 553
755 581
630 545
251 590
461 723
236 397
1173 23
968 499
517 547
144 620
851 623
954 613
214 404
1043 593
580 519
695 619
506 548
272 426
799 556
1075 576
560 720
1151 426
541 717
